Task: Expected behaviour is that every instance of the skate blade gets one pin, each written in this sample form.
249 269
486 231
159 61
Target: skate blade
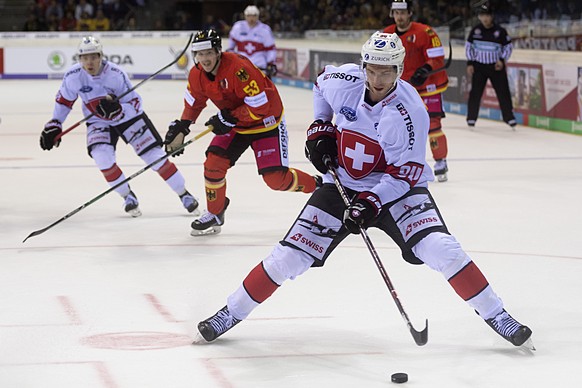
206 232
195 212
134 212
442 178
199 340
529 345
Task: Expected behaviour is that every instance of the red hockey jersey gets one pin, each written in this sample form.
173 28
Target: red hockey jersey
238 86
422 46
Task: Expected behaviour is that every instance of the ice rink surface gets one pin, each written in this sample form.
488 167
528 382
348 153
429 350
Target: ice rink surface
103 300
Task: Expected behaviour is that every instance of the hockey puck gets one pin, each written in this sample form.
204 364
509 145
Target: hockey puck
399 378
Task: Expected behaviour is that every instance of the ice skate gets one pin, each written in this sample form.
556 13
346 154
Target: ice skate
209 223
132 205
190 203
215 326
512 124
511 330
441 169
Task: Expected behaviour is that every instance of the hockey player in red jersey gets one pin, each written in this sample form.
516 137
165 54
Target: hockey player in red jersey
424 53
95 80
378 148
250 115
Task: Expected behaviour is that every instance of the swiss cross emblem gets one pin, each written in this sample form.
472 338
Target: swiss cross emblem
359 154
250 48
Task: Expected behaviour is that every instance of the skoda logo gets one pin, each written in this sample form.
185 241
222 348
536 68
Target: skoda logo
56 60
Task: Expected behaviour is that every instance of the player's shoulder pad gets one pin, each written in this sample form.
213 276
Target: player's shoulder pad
349 73
76 69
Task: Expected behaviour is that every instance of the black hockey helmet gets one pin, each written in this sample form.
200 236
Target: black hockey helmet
207 39
484 9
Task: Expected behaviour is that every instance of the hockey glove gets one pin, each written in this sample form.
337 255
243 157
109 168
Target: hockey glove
109 108
222 123
420 75
362 212
321 142
47 138
271 70
177 130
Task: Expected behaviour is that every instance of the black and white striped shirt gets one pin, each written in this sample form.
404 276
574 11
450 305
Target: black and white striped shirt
488 45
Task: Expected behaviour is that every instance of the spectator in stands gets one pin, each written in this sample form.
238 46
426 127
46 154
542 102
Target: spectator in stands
116 10
85 23
55 9
83 6
100 22
70 5
68 23
33 23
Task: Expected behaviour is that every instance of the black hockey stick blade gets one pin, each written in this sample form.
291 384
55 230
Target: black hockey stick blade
420 337
135 174
447 64
176 59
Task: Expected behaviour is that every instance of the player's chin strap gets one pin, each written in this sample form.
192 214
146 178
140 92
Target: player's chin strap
420 337
103 194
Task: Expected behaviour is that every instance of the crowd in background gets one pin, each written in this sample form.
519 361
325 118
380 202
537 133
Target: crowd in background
292 16
82 15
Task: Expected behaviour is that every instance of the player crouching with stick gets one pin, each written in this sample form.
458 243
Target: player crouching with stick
377 149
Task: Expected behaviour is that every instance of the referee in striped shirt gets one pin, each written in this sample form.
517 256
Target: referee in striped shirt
488 48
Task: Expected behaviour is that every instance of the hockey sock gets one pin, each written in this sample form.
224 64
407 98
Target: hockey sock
173 177
468 282
259 285
438 143
215 168
290 180
114 175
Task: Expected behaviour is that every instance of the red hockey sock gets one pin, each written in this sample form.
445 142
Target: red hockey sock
259 285
469 281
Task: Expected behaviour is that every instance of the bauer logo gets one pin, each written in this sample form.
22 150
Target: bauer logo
56 60
349 113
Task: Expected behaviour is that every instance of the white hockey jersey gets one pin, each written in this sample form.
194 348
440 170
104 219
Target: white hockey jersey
256 43
382 148
111 80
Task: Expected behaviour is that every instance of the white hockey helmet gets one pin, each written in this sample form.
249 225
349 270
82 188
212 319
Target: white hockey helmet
401 4
251 10
90 45
384 49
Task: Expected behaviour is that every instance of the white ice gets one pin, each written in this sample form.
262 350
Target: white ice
105 300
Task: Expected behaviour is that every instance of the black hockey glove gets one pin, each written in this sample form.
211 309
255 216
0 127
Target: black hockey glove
362 212
321 142
177 131
109 108
420 75
222 123
51 130
271 70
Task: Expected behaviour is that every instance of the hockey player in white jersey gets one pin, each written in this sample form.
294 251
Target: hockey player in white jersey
378 147
254 39
97 82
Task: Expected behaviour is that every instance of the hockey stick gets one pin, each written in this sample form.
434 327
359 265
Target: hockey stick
103 194
420 337
57 138
446 65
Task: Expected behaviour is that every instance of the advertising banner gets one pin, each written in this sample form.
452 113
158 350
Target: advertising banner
53 61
